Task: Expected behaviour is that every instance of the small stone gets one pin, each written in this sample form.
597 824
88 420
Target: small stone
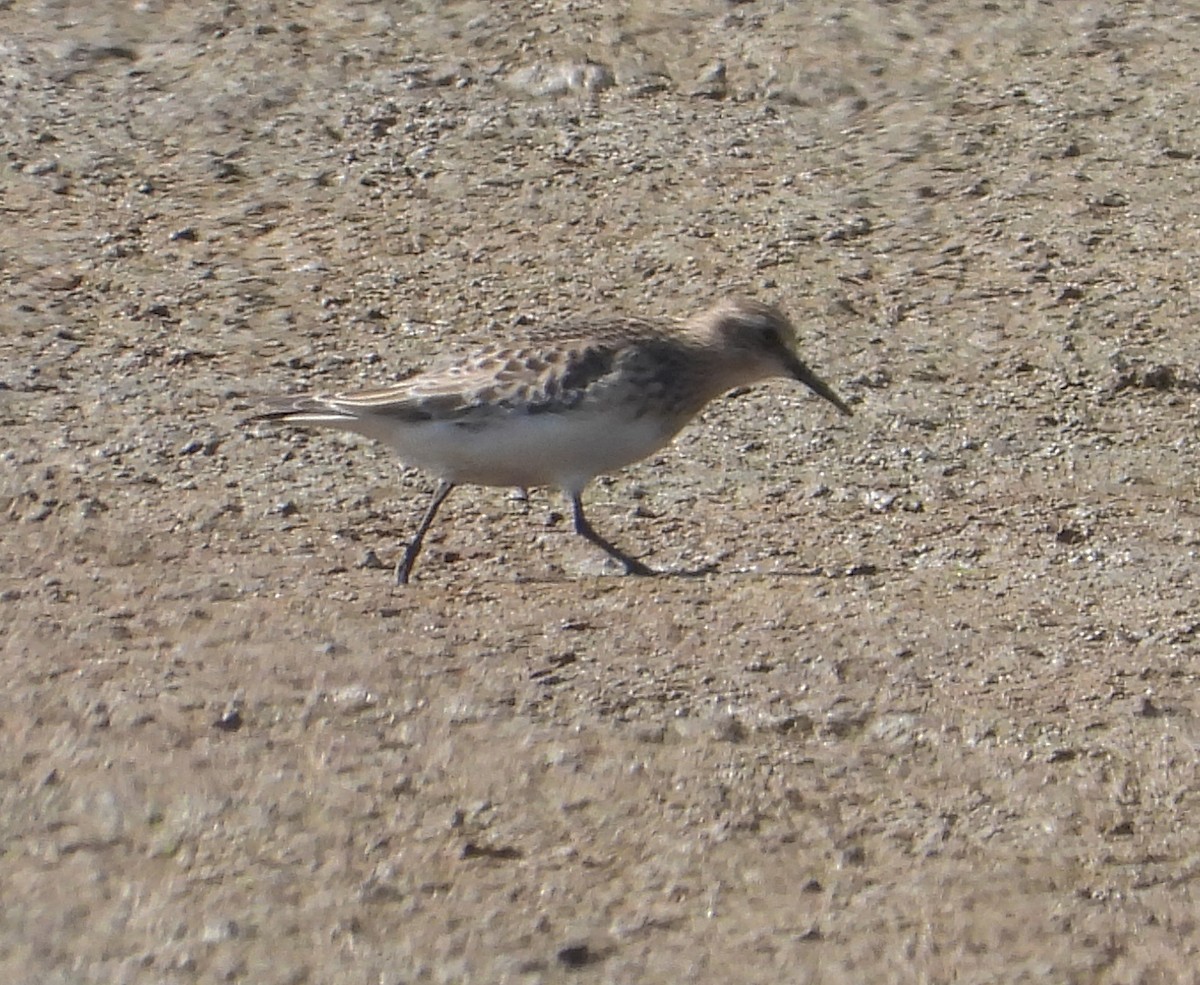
230 720
1147 708
219 930
711 84
854 855
575 955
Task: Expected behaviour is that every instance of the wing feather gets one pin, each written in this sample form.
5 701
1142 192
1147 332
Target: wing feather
555 370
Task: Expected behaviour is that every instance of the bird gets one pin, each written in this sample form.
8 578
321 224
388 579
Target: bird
572 400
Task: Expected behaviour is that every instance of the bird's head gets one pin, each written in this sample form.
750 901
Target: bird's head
761 341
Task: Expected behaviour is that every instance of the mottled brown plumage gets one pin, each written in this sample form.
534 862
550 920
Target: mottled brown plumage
566 404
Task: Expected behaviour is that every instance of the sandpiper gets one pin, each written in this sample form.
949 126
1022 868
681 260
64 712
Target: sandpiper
564 405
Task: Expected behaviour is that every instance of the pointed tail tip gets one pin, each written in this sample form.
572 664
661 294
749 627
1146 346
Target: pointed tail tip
268 415
276 409
296 410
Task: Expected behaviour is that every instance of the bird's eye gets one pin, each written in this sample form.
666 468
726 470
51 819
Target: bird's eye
768 335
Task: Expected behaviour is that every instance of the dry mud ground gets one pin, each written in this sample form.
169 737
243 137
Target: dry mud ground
933 716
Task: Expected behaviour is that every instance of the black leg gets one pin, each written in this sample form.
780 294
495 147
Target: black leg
584 529
404 568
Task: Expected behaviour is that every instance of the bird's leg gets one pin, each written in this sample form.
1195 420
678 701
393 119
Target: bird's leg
404 568
584 529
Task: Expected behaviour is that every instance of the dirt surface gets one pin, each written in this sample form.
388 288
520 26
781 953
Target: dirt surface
933 716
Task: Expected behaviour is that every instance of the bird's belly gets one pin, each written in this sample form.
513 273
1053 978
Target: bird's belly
547 449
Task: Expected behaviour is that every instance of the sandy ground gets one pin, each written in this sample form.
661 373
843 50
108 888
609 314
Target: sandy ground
931 718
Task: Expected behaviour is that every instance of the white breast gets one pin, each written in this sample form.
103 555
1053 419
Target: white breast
565 450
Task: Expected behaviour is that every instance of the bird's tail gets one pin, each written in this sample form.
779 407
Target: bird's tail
305 411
